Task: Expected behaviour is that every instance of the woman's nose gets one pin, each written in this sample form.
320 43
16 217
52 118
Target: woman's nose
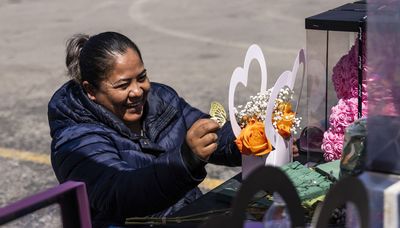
135 90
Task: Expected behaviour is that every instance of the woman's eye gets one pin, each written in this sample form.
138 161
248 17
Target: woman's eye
142 78
122 86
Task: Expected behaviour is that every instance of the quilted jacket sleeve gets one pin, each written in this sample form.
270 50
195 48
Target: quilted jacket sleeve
227 152
114 187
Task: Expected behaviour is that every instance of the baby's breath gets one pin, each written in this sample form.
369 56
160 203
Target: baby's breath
256 108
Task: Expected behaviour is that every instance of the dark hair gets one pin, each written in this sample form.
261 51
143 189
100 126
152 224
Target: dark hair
92 58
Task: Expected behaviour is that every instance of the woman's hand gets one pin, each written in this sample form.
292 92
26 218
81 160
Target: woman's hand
202 139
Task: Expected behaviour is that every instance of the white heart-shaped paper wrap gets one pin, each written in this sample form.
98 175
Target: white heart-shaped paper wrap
282 153
240 75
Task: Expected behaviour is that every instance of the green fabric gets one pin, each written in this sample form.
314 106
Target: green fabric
330 169
308 183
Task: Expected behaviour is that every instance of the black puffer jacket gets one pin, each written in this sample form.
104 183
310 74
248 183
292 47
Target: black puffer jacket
127 174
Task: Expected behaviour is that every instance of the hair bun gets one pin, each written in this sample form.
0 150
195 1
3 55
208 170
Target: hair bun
74 47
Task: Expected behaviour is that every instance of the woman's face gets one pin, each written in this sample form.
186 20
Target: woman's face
125 90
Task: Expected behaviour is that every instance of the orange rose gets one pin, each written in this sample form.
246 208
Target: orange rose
285 124
252 139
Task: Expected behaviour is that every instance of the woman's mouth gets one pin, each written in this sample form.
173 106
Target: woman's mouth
136 106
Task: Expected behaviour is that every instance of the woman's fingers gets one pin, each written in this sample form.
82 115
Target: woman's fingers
209 149
203 126
201 137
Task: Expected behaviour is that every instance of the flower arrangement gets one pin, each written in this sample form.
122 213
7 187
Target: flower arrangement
252 139
345 81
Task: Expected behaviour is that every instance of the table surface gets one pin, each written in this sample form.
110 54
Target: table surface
219 198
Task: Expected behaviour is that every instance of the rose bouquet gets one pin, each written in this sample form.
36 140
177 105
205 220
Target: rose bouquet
251 119
345 81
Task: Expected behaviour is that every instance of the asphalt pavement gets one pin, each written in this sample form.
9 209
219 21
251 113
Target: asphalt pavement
193 46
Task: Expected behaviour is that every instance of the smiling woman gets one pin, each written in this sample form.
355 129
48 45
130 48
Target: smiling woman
125 90
112 75
138 146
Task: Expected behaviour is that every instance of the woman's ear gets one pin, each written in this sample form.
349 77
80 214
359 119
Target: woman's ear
90 90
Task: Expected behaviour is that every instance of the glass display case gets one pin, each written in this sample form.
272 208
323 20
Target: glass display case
335 84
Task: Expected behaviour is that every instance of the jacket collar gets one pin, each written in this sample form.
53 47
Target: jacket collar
72 103
104 116
158 113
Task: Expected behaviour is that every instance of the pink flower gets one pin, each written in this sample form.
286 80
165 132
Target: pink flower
345 73
327 146
332 145
354 90
343 115
338 146
332 149
338 129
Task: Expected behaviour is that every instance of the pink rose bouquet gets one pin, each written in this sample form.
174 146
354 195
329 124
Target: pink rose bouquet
345 82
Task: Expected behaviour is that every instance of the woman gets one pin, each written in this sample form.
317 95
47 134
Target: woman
138 146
